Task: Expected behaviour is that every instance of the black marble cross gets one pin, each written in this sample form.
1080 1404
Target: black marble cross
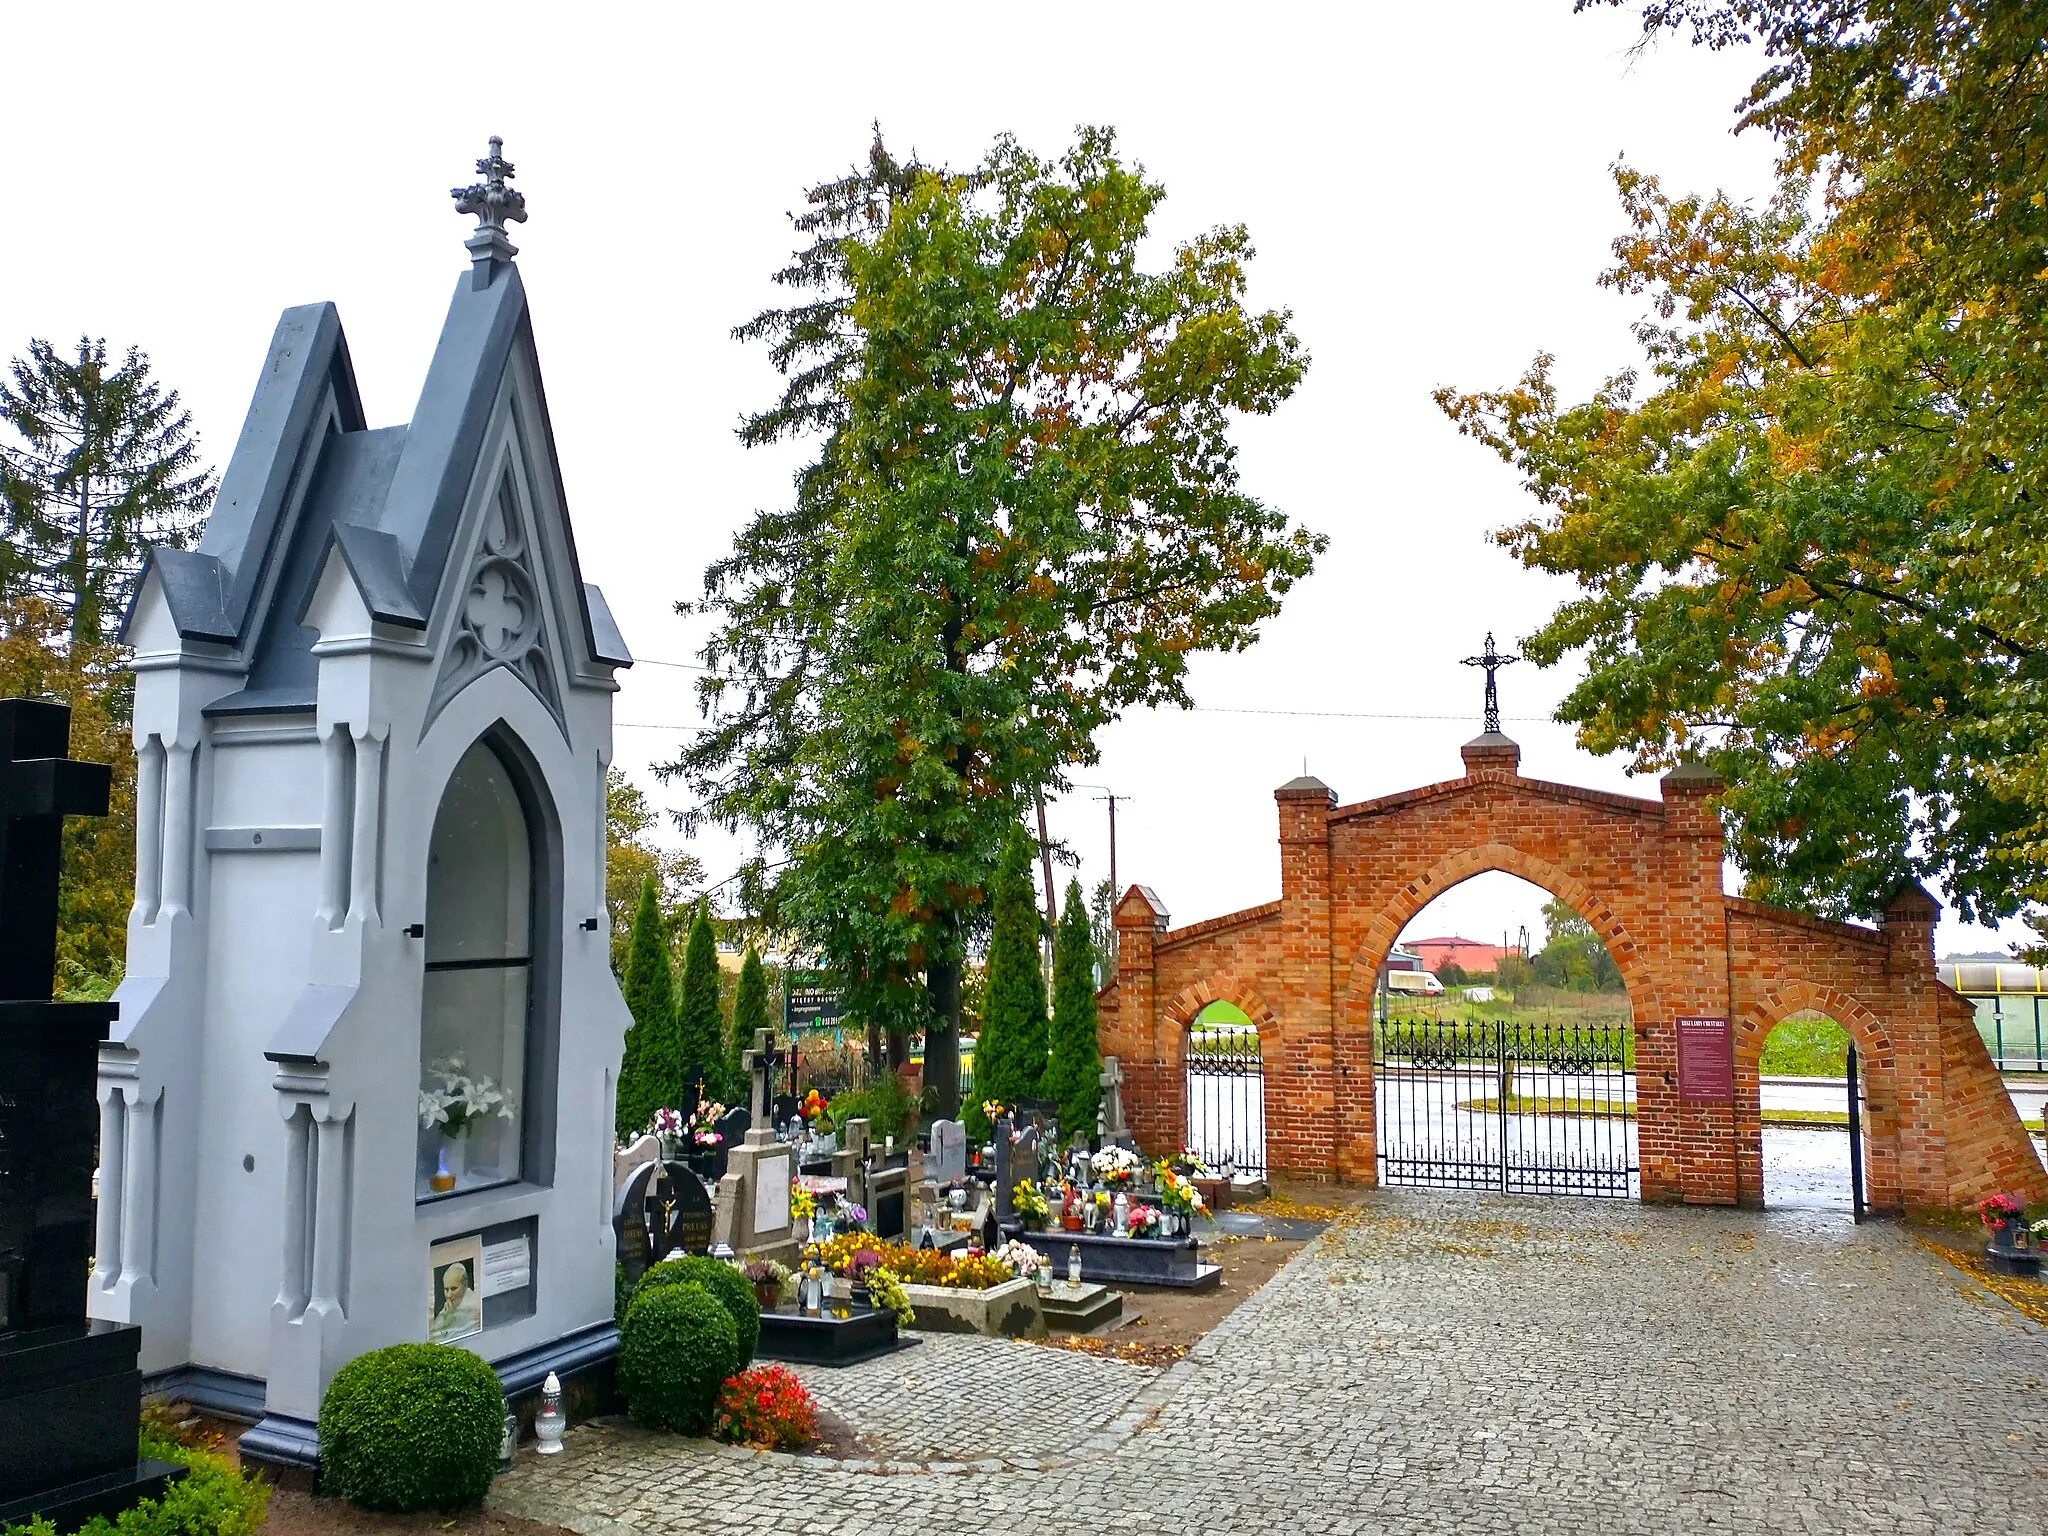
39 787
1493 661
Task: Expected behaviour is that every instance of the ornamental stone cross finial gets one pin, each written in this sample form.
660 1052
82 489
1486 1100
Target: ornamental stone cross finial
1493 661
495 204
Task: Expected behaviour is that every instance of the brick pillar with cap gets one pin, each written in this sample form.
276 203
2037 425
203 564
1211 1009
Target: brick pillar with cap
1301 1080
1687 1150
1913 1020
1150 1050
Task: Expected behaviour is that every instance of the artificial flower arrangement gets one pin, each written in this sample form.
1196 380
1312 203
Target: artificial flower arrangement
458 1100
1177 1192
992 1110
1018 1257
767 1408
813 1109
1142 1221
704 1125
1115 1167
803 1205
1996 1209
1030 1203
1187 1160
2040 1230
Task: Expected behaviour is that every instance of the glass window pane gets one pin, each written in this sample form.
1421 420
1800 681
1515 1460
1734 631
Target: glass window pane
478 984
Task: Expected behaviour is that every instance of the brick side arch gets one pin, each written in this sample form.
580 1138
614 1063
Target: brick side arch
1186 1004
1875 1059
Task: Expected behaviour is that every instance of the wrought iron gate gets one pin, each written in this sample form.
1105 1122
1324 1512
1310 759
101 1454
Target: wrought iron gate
1529 1109
1226 1096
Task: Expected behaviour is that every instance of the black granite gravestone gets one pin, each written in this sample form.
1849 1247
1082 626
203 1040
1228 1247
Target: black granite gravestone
685 1211
70 1393
632 1237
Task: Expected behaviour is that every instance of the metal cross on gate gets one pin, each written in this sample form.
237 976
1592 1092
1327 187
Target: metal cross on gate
1493 661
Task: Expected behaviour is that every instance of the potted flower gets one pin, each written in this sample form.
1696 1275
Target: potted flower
2004 1216
803 1205
1071 1200
768 1276
1033 1209
1142 1221
456 1101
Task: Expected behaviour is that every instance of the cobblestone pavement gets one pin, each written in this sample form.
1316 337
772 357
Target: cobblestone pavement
1437 1364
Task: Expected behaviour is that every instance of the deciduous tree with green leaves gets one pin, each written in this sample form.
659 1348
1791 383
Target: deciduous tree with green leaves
1815 551
651 1075
99 465
1023 516
700 1031
1073 1074
632 857
1009 1058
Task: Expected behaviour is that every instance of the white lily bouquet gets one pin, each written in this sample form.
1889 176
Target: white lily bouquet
458 1100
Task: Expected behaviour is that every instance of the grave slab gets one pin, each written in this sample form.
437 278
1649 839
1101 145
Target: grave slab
803 1338
1127 1260
1082 1308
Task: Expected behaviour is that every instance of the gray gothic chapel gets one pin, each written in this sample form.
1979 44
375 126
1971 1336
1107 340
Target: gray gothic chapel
361 1084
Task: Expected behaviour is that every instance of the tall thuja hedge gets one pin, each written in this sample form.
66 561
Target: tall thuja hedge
699 1020
749 1013
1073 1076
1009 1061
652 1073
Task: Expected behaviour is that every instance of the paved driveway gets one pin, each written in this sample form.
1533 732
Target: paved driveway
1456 1364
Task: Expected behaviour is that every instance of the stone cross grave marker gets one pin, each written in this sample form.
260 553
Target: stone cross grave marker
753 1196
948 1161
1110 1124
761 1063
70 1393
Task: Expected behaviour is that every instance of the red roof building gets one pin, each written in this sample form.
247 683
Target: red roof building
1468 955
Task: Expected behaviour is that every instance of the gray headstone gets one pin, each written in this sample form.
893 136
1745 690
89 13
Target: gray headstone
948 1160
626 1159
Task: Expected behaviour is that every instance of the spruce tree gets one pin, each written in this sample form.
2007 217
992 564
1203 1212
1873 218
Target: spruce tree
1073 1076
1010 1060
749 1014
699 1019
100 465
651 1075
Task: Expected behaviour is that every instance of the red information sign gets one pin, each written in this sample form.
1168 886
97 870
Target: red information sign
1706 1062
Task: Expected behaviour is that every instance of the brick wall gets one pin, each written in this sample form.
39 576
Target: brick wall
1647 875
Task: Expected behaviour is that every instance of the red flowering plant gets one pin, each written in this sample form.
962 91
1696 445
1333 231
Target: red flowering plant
767 1408
2002 1206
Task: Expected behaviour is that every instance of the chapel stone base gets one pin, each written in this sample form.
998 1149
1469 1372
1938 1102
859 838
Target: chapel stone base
69 1398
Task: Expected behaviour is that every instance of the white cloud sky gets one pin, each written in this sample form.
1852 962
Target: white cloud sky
1427 186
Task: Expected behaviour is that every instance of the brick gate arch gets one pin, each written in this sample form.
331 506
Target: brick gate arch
1609 917
1647 875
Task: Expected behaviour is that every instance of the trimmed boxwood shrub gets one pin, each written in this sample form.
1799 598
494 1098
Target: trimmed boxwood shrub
414 1426
211 1499
735 1292
676 1348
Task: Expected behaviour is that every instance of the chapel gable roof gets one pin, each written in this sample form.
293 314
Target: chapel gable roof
309 477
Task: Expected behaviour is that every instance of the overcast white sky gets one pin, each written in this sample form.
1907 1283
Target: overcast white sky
1427 186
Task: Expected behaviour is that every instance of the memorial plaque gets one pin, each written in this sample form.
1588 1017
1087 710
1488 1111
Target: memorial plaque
771 1195
1706 1061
